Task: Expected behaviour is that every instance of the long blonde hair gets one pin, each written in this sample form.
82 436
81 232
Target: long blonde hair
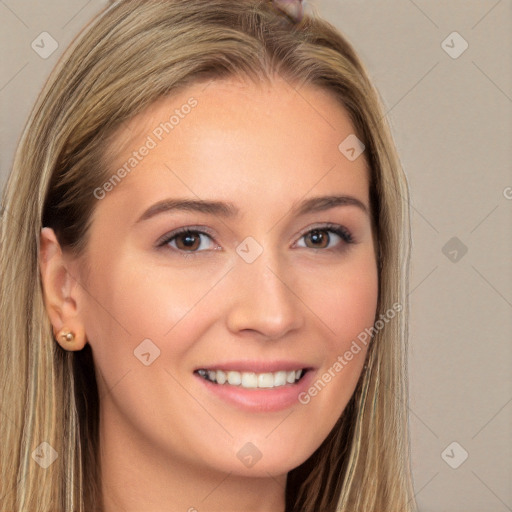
132 53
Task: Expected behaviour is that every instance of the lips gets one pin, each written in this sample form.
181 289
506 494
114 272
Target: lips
255 386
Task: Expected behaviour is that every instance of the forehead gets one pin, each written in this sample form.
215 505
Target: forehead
231 137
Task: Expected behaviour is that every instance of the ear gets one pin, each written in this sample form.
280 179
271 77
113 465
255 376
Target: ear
60 291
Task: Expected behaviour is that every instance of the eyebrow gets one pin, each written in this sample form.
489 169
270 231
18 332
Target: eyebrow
229 210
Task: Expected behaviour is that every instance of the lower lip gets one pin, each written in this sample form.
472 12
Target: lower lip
258 399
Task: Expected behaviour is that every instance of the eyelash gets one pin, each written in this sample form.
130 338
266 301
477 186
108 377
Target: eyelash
341 231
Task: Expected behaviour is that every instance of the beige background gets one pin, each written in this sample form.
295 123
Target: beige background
452 122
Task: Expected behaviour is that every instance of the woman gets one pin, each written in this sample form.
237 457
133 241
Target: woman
204 252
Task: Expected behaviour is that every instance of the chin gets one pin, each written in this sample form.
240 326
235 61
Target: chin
261 457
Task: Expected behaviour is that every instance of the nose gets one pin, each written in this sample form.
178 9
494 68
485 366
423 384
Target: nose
264 298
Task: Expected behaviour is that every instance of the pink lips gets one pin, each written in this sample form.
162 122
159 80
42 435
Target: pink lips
258 399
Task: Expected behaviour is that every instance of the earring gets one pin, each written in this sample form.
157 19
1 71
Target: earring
66 335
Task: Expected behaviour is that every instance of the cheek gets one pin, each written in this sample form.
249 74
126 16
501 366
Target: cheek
130 302
347 300
131 311
347 308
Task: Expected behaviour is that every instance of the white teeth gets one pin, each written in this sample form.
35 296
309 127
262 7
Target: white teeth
234 378
280 378
266 380
251 380
221 377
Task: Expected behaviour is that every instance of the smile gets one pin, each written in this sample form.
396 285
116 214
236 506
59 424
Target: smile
252 380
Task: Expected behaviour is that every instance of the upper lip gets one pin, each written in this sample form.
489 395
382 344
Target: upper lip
257 366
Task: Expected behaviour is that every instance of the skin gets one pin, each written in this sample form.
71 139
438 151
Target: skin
165 439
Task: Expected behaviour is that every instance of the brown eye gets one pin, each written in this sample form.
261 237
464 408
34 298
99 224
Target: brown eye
328 237
319 239
188 240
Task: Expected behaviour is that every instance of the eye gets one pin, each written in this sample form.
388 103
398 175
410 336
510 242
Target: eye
188 240
193 240
327 236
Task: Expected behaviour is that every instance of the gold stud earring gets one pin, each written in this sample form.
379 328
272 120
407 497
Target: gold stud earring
66 335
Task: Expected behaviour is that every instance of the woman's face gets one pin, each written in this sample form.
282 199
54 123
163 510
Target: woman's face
271 278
